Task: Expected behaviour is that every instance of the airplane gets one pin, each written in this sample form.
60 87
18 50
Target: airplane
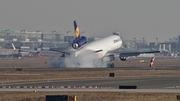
38 52
97 53
8 53
25 51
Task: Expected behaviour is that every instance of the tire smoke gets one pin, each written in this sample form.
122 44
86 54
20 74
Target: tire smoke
79 59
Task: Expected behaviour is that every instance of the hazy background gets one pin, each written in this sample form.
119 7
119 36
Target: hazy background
132 18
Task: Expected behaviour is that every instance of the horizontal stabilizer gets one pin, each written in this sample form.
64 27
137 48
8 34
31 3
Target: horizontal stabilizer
57 50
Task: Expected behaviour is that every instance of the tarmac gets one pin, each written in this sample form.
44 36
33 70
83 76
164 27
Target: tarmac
160 83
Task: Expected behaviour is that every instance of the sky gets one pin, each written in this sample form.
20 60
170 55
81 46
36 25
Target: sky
150 19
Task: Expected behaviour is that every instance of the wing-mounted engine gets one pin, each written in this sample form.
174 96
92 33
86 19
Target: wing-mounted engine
123 57
79 42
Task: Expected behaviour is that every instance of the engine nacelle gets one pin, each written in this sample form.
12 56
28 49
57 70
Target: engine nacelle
79 42
123 58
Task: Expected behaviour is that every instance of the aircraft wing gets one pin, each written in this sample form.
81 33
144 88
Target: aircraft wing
127 54
59 50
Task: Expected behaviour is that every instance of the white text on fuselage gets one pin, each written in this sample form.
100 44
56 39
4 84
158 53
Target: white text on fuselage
117 40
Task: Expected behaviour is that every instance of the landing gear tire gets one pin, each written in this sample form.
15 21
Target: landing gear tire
110 65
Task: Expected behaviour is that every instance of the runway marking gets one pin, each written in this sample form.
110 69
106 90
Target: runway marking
44 81
17 74
94 90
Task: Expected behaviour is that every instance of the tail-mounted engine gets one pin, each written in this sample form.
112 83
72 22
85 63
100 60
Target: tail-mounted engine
79 42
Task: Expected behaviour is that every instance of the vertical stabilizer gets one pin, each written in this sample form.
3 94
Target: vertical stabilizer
13 46
76 30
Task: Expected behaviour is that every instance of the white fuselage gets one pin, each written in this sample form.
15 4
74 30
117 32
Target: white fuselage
107 44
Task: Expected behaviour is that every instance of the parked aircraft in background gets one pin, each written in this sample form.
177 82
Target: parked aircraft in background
23 51
98 53
10 54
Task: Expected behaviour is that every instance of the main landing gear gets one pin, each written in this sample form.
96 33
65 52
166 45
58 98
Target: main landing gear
110 65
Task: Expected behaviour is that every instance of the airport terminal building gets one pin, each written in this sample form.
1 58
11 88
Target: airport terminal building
34 39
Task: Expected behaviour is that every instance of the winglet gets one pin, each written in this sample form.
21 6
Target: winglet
13 46
76 30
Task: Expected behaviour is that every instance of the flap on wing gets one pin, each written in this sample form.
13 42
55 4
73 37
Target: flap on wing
129 54
136 53
151 52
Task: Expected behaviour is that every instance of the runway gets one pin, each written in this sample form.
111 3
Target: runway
140 82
